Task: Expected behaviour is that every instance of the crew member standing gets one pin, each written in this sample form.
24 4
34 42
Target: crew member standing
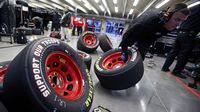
184 43
65 24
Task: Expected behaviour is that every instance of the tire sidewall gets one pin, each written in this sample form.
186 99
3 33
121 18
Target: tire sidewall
36 55
123 77
105 42
89 33
133 60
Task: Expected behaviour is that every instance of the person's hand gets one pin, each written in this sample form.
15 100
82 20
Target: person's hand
124 56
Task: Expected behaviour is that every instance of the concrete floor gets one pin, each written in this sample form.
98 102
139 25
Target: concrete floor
156 92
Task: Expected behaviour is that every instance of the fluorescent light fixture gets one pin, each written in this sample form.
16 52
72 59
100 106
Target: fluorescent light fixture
161 3
147 7
131 11
115 1
89 6
74 4
135 2
43 0
52 4
48 6
116 9
36 5
106 6
57 6
55 3
41 4
97 1
194 4
128 16
102 8
62 4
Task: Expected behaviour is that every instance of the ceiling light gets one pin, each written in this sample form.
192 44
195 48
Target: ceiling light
62 4
194 4
36 5
42 4
52 4
97 1
115 1
131 11
116 9
58 6
161 3
71 2
102 8
135 2
106 6
48 6
89 6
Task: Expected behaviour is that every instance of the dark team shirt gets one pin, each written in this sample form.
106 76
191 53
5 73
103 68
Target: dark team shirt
193 21
144 29
66 19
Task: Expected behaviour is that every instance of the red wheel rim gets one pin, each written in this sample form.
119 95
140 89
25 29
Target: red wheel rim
2 74
64 75
113 61
89 40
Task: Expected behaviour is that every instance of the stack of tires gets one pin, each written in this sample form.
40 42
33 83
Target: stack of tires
112 72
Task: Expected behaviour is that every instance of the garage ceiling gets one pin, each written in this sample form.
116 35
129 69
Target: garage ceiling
93 7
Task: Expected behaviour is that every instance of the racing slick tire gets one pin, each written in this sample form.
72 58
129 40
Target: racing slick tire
115 74
48 76
104 42
88 42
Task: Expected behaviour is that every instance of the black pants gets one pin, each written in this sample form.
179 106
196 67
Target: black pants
79 30
182 48
56 26
39 25
73 30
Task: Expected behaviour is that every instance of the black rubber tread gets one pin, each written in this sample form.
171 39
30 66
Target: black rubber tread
83 47
125 76
87 59
105 42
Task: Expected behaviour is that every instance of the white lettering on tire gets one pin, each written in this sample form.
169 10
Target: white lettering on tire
36 65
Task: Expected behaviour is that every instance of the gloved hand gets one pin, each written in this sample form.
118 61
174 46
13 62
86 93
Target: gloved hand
124 56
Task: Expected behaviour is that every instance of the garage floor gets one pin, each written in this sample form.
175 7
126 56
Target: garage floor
156 92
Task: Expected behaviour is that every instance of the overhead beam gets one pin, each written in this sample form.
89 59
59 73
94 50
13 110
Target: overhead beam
124 3
147 7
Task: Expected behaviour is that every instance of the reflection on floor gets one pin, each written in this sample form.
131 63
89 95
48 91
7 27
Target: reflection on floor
156 92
